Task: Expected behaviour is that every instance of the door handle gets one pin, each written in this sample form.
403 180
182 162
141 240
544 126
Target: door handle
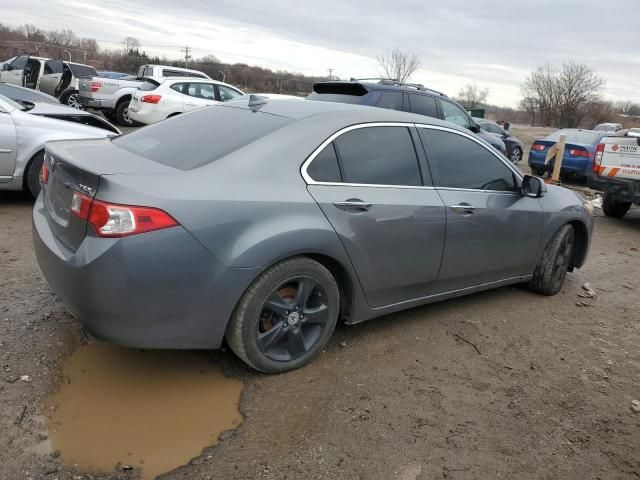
463 208
353 204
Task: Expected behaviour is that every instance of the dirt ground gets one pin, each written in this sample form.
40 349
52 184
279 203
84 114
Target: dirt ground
501 384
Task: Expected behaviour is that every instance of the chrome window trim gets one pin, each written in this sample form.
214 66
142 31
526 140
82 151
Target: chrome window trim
316 152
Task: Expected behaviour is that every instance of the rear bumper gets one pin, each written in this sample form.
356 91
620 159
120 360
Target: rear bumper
95 103
583 168
157 290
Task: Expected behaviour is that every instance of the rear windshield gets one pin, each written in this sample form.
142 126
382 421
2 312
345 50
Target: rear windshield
335 97
605 127
576 136
82 70
196 139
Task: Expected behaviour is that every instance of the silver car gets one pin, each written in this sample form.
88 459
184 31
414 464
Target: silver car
265 221
25 127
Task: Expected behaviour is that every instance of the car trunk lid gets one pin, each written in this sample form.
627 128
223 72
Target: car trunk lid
76 167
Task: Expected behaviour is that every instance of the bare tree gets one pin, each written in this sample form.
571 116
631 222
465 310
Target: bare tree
472 96
399 65
32 33
130 43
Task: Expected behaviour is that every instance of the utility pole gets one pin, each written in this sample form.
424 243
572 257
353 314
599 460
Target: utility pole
330 73
187 57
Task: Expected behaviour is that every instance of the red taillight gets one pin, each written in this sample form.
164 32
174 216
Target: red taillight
113 220
95 86
597 159
151 98
44 178
579 152
538 147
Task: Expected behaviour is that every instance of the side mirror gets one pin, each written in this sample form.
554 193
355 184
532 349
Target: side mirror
5 67
533 187
474 128
506 134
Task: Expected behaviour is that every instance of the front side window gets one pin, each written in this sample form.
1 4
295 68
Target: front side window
19 63
324 167
423 105
227 93
390 100
463 163
454 114
378 155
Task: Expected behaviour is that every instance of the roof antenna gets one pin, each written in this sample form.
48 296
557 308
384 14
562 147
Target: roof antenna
256 101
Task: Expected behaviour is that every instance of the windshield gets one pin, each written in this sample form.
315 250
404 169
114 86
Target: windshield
11 103
576 136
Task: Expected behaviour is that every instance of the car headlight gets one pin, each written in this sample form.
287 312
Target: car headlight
588 206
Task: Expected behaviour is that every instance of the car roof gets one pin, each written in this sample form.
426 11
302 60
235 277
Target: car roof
350 113
385 84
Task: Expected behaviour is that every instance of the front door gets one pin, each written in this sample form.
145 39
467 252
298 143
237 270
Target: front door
15 70
371 187
493 232
7 146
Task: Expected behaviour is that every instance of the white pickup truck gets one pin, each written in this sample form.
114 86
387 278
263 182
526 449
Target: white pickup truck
112 96
617 171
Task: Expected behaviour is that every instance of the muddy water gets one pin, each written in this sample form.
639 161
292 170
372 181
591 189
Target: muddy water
154 410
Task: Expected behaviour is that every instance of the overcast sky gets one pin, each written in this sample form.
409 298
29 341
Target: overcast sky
494 43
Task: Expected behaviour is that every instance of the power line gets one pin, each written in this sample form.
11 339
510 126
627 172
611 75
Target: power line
187 57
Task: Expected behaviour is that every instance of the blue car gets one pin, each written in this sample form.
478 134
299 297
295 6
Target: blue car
579 151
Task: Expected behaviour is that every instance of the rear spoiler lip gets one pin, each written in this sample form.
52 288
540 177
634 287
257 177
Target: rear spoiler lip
340 88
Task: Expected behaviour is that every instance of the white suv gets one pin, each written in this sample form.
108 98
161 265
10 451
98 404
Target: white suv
160 98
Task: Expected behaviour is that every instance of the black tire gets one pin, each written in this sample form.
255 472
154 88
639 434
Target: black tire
614 208
72 99
270 305
516 155
32 174
550 273
122 115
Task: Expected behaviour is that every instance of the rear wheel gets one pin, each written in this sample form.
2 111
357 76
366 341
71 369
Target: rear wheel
614 208
516 155
285 317
552 268
33 174
72 99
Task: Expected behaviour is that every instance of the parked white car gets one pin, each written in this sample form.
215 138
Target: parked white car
161 98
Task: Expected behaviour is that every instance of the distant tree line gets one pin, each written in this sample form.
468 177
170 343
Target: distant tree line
59 43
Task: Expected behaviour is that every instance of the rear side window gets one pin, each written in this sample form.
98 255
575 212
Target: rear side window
53 66
201 90
201 137
180 87
454 114
148 85
390 100
324 167
463 163
378 155
423 105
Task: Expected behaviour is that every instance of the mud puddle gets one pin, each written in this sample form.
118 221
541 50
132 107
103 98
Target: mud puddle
153 410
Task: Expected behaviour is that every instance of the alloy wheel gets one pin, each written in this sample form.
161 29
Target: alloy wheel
292 319
74 101
516 156
561 263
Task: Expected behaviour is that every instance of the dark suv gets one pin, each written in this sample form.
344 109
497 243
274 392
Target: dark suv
408 97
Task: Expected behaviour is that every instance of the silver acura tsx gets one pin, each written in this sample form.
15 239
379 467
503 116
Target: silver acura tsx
265 221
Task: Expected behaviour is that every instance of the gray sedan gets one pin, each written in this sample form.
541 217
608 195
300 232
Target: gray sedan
264 222
26 126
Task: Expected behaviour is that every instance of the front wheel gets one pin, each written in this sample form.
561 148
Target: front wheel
285 317
614 208
549 275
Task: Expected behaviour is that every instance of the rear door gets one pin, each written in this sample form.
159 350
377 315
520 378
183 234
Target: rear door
51 76
15 71
7 146
373 186
493 232
198 95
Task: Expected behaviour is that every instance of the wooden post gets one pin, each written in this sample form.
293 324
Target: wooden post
559 154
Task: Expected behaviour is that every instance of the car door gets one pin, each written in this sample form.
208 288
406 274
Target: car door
51 77
493 232
13 73
7 146
374 187
198 95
